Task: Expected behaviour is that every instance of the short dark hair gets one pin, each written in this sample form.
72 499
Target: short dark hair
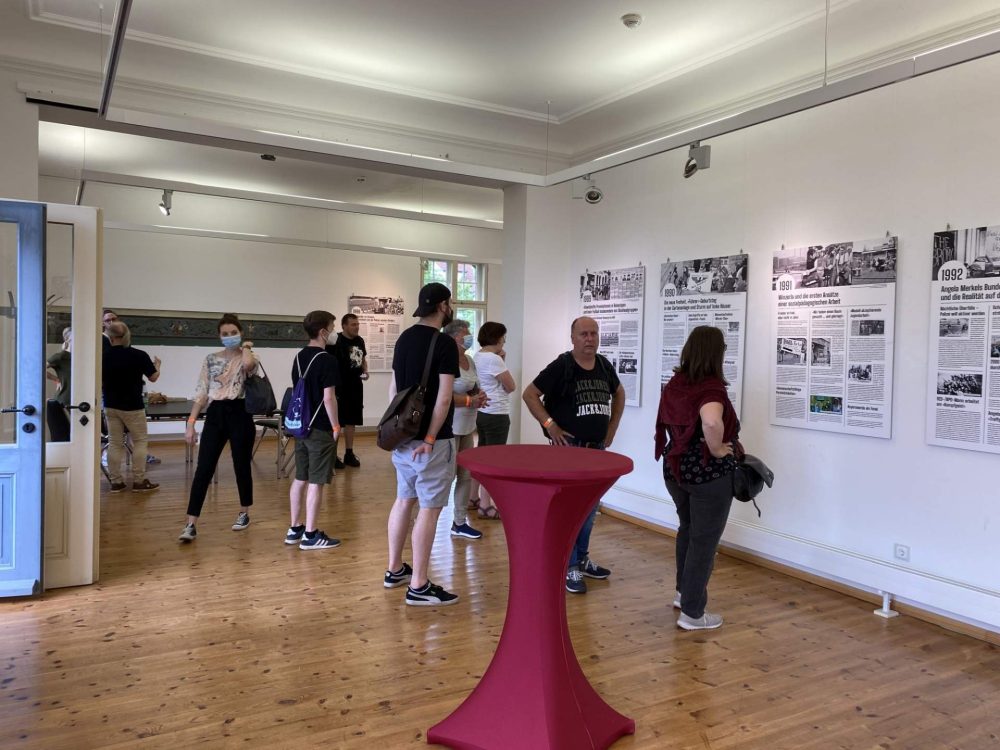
702 354
316 321
108 310
491 332
348 317
231 320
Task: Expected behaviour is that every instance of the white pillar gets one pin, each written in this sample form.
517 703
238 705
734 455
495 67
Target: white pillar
18 143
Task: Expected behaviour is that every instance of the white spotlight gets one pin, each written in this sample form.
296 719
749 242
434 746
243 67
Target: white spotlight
165 203
699 157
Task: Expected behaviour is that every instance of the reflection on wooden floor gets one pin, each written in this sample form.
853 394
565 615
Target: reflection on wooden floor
240 641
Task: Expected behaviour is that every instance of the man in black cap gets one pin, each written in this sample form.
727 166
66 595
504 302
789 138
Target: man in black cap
425 466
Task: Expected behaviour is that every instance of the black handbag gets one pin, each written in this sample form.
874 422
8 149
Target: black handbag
749 478
401 421
258 394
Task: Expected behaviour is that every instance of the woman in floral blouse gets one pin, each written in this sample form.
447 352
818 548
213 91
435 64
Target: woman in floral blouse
220 388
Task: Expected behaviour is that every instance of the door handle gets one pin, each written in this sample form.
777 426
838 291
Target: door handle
27 411
83 406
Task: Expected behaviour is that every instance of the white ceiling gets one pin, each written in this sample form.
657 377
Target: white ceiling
466 78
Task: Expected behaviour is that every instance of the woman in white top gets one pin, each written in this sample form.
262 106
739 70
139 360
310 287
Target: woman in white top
468 398
493 420
220 388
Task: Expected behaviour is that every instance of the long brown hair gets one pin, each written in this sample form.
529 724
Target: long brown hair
702 355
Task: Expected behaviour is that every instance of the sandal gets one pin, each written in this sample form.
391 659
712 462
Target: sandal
473 504
490 514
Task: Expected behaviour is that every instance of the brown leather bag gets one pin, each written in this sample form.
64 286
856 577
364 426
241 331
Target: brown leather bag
401 421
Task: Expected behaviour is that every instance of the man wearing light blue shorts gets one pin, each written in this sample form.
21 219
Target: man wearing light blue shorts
425 466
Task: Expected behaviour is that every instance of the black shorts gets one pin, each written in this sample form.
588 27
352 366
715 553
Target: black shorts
351 408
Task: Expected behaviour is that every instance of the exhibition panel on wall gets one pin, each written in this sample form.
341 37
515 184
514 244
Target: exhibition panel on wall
963 383
381 319
705 291
614 298
833 325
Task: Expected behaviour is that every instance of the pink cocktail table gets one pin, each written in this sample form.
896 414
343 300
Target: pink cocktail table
534 694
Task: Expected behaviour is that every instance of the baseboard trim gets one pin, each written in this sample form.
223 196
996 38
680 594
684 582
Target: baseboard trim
911 610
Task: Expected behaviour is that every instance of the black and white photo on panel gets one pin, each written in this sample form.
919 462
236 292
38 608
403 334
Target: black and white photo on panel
860 373
971 253
953 327
960 384
718 275
791 350
615 283
821 351
837 264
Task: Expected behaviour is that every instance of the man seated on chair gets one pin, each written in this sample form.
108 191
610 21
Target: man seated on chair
124 369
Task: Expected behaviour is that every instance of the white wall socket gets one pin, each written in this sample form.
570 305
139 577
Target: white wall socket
901 552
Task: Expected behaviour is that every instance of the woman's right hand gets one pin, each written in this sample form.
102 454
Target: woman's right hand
726 449
480 400
190 437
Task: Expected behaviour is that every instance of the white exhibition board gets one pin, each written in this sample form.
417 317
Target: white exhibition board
833 327
614 298
963 382
705 292
382 319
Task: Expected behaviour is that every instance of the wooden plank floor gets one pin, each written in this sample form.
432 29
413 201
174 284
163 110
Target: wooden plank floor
240 641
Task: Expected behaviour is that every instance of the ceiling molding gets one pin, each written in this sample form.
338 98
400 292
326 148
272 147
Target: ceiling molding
220 53
984 25
748 42
378 249
219 191
437 142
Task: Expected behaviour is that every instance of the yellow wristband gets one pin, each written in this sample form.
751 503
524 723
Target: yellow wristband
336 428
547 422
430 440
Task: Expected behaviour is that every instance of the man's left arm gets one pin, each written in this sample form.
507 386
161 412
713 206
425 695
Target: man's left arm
617 408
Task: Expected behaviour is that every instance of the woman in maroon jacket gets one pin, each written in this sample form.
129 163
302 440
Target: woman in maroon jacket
697 433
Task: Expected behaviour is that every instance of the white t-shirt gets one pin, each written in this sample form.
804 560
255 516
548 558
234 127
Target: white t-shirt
489 365
464 421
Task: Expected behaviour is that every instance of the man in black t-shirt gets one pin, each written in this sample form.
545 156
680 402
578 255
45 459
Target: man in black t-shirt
351 355
425 466
579 400
314 453
123 370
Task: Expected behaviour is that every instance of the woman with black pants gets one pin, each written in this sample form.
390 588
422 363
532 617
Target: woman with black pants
220 385
697 433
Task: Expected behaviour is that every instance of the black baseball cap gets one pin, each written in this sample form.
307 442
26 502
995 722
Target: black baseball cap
431 296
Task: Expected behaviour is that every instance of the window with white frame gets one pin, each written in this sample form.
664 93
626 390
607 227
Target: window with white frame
467 282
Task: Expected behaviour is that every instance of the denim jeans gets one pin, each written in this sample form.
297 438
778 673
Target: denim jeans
581 547
703 510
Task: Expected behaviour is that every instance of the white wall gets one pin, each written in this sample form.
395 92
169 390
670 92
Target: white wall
910 159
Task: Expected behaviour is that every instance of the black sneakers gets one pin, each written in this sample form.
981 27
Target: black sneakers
294 535
144 486
351 460
431 595
117 486
592 570
319 541
574 581
397 578
242 521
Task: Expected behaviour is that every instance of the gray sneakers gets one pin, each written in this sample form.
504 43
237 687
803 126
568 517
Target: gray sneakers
707 621
677 600
189 533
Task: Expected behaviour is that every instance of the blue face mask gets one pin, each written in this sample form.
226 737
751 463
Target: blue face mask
467 341
231 342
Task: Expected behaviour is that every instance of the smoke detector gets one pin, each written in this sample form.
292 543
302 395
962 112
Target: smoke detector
631 20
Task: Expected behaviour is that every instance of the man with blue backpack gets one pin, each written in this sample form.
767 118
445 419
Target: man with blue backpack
311 418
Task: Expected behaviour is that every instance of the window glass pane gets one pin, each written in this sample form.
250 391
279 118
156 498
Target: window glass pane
58 336
470 286
475 317
435 270
8 330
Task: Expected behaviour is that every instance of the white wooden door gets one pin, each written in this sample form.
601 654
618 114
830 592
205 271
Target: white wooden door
72 497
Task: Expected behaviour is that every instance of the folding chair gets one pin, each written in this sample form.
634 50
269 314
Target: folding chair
276 423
